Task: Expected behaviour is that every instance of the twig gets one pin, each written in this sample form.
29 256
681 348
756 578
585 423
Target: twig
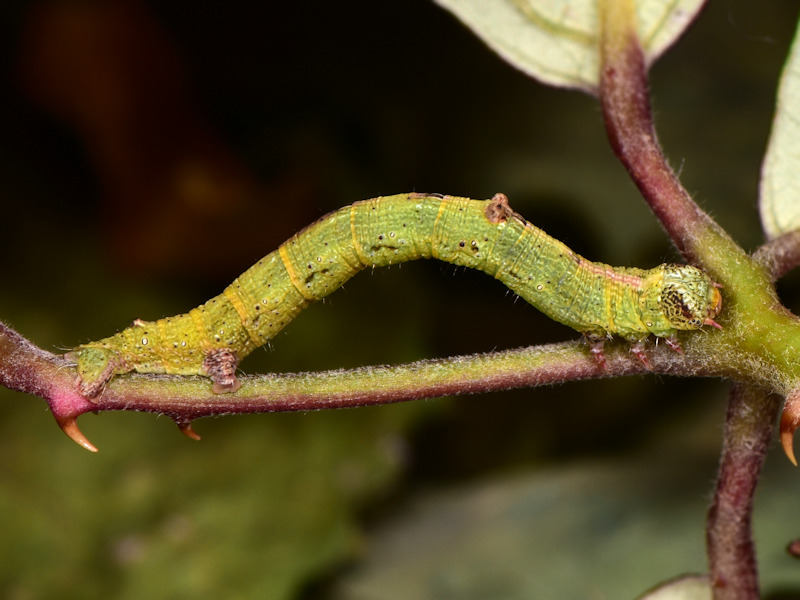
26 368
780 255
749 427
626 109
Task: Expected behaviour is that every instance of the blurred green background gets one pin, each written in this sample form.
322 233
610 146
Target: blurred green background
149 153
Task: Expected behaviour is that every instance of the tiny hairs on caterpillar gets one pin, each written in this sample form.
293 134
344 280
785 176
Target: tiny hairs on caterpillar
593 298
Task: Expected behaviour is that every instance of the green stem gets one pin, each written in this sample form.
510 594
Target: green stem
26 368
755 322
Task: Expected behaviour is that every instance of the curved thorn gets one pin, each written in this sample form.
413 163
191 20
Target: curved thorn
712 323
790 421
186 429
787 428
69 425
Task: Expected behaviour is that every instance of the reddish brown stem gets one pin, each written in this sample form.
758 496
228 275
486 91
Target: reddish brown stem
629 124
748 431
781 255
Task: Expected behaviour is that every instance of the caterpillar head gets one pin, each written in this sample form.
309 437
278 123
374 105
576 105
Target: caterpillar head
95 367
688 298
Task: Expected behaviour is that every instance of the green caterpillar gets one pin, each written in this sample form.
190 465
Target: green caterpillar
593 298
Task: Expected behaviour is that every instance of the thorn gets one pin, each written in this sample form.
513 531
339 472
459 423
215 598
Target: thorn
790 421
69 425
186 429
788 427
712 322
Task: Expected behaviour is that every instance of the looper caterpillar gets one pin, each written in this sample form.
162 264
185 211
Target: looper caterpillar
595 299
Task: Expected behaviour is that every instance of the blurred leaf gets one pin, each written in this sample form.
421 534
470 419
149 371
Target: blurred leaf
592 530
780 174
588 529
556 41
259 508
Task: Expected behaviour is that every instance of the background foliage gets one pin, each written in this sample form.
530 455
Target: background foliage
289 113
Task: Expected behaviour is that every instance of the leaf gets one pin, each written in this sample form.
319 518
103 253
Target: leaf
689 587
780 173
556 42
591 530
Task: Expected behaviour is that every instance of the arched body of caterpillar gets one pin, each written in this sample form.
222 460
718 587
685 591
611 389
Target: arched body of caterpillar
595 299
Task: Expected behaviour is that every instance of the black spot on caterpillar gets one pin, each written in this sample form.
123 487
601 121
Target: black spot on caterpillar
598 300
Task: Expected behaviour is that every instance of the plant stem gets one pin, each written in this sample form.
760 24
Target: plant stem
780 255
748 431
626 109
27 368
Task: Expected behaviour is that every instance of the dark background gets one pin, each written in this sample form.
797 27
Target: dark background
151 152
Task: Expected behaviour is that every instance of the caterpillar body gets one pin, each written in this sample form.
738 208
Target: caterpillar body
595 299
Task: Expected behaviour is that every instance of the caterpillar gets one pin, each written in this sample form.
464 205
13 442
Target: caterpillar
595 299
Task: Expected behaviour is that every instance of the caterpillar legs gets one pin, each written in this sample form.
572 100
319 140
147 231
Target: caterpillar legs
96 367
596 348
220 365
637 348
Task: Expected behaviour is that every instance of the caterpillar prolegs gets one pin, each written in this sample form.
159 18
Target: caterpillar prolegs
595 299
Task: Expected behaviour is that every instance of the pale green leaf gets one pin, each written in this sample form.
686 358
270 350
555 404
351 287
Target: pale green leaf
780 175
557 42
690 587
